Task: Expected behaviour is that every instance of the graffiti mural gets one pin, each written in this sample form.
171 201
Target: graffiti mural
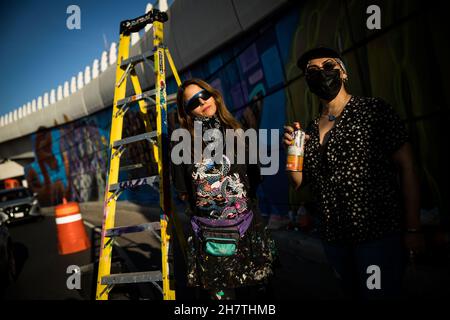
72 160
262 86
83 147
47 175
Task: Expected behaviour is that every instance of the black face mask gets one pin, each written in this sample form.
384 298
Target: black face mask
326 84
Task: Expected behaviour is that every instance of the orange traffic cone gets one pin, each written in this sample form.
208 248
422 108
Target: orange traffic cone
72 236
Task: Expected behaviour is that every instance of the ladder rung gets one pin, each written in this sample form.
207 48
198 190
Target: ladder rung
133 183
132 167
140 137
134 277
137 59
115 232
172 98
137 97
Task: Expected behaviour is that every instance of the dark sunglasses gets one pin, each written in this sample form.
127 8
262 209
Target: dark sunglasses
327 66
194 102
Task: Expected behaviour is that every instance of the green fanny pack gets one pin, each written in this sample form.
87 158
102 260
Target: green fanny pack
221 237
220 242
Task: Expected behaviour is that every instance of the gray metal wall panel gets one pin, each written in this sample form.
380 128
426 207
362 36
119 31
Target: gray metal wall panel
172 44
201 26
251 12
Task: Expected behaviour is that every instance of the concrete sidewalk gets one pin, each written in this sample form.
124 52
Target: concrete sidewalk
303 272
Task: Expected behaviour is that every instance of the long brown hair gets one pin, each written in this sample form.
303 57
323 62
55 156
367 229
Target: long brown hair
187 120
227 120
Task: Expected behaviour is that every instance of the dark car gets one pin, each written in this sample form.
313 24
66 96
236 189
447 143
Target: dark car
7 261
19 204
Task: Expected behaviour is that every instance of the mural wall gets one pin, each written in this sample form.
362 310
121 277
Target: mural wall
72 160
403 63
257 74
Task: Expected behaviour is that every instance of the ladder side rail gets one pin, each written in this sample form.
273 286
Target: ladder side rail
109 209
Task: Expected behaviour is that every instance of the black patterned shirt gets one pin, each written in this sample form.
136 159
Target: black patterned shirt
353 175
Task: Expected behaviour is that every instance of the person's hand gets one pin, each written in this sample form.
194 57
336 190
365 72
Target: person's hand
415 243
288 139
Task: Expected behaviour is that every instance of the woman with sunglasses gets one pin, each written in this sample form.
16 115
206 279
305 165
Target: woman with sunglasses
229 247
356 148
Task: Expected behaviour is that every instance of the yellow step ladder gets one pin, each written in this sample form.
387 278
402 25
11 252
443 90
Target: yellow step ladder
160 141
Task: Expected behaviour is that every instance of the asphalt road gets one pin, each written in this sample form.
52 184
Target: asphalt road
41 270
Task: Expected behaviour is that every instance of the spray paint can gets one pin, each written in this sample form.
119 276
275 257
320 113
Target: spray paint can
296 150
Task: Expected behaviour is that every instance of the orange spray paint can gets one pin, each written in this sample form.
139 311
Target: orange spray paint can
296 150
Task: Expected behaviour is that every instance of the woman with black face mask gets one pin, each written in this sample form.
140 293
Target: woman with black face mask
357 151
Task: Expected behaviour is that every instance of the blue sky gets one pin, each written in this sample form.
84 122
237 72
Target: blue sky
38 52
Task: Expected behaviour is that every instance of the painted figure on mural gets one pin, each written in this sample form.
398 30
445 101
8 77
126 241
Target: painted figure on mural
49 168
83 180
84 151
229 246
357 150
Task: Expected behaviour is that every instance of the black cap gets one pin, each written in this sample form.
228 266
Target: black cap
319 52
